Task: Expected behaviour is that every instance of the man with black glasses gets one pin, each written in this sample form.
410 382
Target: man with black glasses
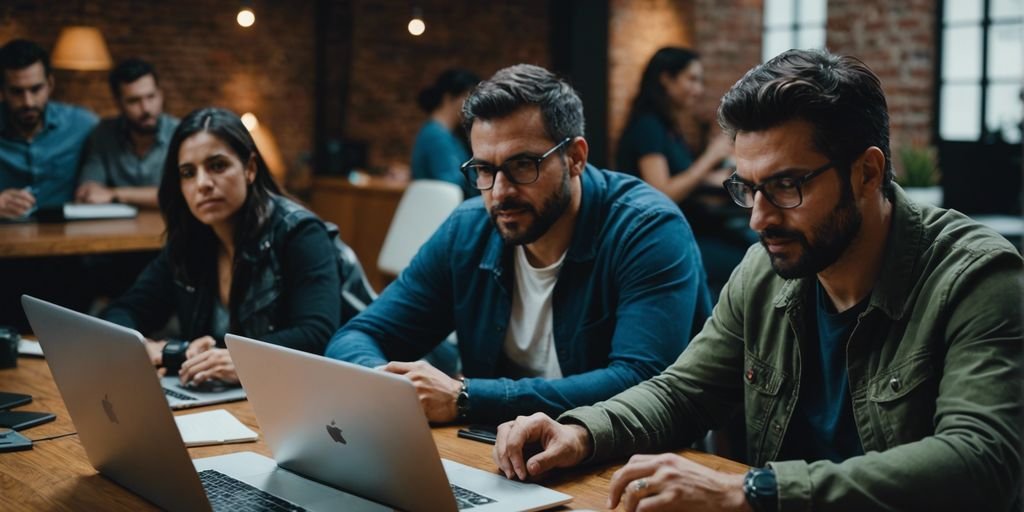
565 284
873 343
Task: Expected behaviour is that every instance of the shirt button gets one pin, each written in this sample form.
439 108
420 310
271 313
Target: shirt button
499 328
894 384
751 376
777 427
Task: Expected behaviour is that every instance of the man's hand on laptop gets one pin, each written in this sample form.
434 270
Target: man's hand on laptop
436 390
560 446
204 362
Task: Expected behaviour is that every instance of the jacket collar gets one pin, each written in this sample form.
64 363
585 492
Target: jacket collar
896 277
583 246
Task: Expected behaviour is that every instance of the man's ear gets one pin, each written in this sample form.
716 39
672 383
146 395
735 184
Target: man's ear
868 171
576 152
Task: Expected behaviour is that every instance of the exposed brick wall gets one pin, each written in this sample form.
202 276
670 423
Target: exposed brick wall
203 57
637 29
896 38
390 66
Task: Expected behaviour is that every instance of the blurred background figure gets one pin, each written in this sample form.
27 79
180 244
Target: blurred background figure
654 148
126 153
439 149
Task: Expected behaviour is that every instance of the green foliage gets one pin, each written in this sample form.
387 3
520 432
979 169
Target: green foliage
920 167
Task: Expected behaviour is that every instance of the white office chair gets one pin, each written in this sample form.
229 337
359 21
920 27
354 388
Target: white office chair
424 207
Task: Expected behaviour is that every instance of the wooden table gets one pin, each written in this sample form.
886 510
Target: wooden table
56 475
32 239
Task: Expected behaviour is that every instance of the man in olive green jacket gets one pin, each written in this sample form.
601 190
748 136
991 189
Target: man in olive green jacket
873 344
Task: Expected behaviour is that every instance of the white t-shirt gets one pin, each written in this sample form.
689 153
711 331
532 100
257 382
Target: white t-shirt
530 340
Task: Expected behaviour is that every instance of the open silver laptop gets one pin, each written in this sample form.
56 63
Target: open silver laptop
183 397
129 435
364 431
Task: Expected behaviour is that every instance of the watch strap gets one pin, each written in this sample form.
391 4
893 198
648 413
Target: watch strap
462 402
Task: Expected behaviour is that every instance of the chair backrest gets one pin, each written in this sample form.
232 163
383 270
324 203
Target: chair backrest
356 292
424 207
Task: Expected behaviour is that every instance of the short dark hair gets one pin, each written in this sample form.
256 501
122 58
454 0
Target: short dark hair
453 82
839 95
522 85
652 97
20 54
192 245
128 71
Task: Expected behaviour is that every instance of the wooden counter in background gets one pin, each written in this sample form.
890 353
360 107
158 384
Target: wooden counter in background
31 239
362 212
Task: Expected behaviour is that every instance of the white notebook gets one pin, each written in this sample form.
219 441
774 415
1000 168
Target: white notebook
74 211
213 427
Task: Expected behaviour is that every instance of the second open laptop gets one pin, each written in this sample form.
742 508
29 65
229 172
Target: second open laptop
379 445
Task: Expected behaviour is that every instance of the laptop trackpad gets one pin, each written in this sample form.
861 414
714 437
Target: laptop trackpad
263 473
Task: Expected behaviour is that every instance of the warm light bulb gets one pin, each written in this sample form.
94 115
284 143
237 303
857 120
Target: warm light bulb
250 121
417 27
246 18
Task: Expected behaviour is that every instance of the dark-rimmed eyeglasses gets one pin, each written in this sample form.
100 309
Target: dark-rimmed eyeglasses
521 170
781 191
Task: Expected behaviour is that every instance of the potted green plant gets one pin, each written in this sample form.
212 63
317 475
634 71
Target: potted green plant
920 174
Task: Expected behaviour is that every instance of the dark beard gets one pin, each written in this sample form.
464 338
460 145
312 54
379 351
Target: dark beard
832 237
552 210
140 129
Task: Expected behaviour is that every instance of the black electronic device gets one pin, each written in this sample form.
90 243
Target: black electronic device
483 433
20 420
8 400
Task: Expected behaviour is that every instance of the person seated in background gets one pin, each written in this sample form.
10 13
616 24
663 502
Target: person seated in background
41 144
125 154
874 343
240 257
654 148
438 152
564 283
41 141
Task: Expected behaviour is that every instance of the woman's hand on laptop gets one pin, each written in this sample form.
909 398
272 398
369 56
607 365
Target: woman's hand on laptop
204 362
560 446
155 349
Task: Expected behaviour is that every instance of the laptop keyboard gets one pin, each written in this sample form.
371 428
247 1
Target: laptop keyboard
179 396
466 498
226 493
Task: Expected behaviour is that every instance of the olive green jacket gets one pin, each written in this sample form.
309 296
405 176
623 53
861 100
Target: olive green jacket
934 366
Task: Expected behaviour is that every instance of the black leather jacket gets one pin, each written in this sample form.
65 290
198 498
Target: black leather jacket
305 283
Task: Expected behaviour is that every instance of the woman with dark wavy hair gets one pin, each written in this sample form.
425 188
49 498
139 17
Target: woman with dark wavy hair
653 147
239 257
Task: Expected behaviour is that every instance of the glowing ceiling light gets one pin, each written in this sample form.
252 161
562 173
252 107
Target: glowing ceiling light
246 17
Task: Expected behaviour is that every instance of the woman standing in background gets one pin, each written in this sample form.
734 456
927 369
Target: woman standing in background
438 152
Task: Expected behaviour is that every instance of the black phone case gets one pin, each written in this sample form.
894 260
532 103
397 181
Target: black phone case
8 400
20 420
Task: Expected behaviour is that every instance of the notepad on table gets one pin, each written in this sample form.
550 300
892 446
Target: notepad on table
213 427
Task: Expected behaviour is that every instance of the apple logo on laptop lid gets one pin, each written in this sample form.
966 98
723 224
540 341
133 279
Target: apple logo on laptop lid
108 408
335 433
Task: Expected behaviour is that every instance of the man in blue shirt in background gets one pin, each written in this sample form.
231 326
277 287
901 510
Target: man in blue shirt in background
565 284
41 141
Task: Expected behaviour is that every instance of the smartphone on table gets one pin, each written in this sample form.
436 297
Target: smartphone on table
483 433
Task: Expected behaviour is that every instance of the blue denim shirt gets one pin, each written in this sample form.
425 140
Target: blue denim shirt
49 162
630 295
